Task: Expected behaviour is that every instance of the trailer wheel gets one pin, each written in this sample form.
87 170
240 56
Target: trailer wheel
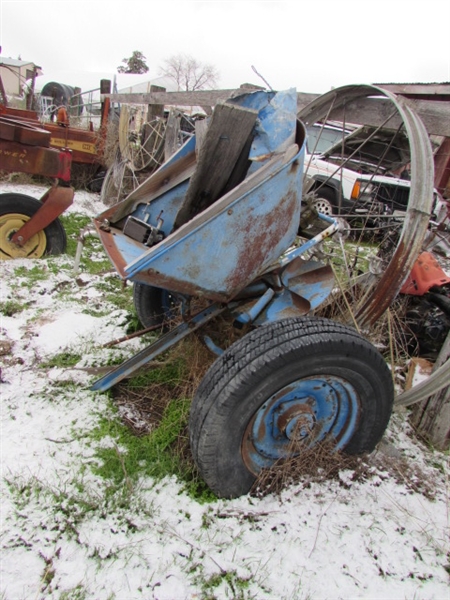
17 209
306 379
154 306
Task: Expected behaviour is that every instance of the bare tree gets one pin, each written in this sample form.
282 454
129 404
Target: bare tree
135 64
190 74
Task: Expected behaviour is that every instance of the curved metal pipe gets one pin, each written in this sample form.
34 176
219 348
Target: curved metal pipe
375 303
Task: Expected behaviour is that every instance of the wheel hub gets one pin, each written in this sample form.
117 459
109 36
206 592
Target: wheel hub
296 421
323 206
299 416
33 248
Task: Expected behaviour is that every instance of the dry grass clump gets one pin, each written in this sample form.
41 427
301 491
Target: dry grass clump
307 465
18 178
321 463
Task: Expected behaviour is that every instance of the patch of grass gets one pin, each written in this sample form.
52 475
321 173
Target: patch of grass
115 292
163 451
12 307
65 359
169 373
78 592
232 583
73 223
131 456
73 502
154 405
93 257
24 490
38 272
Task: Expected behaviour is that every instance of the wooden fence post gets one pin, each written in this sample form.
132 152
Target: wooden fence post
432 416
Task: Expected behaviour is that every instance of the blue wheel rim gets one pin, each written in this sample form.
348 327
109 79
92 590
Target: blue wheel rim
300 415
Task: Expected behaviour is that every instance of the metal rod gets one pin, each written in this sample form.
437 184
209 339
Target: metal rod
161 345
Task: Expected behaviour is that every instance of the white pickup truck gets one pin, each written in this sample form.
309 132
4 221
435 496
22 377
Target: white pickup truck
354 172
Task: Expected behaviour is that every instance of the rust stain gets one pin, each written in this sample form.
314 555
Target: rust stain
263 234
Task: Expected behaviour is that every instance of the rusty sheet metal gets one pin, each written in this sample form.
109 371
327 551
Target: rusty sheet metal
420 203
55 202
110 236
23 132
35 160
23 126
227 246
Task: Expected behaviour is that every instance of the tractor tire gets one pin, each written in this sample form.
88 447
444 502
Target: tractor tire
17 209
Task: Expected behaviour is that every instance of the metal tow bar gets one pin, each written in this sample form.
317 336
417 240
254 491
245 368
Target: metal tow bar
162 344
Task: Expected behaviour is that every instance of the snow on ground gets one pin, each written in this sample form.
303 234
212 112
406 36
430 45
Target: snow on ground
383 537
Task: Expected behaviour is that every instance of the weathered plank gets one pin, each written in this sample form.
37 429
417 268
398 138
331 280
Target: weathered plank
369 111
198 98
227 135
155 110
417 89
171 134
432 416
435 114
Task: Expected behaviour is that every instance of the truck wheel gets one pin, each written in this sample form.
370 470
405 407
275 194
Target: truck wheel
325 202
154 306
17 209
309 380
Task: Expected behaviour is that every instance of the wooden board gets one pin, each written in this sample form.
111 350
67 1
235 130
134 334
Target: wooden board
228 133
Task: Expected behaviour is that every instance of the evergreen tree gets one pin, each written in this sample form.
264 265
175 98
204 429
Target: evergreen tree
134 64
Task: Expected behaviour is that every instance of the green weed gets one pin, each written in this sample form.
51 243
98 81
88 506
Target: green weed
65 359
74 501
79 592
169 374
34 274
232 583
160 453
12 307
132 456
93 257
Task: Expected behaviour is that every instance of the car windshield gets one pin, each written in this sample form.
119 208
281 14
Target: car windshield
320 139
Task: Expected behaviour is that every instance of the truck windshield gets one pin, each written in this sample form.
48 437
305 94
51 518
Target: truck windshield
321 138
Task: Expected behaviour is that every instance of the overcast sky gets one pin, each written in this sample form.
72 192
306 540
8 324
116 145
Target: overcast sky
312 45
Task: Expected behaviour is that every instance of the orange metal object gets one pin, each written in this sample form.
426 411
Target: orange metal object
23 132
84 144
55 201
425 273
49 162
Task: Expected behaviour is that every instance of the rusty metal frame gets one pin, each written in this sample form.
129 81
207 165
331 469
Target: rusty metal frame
388 285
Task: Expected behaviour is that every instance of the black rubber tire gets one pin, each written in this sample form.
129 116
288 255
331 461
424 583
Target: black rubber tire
154 306
262 363
13 203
